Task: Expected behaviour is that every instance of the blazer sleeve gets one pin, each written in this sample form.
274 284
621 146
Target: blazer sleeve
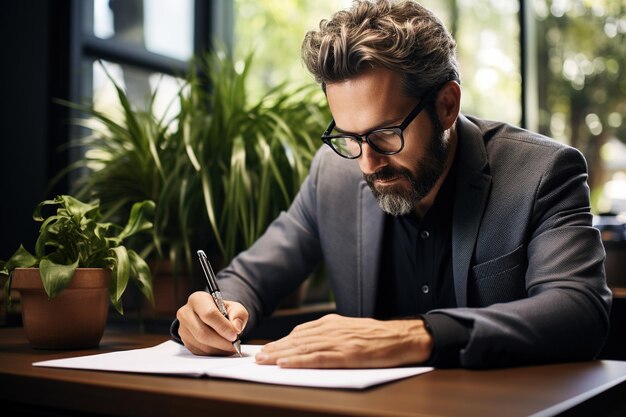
565 315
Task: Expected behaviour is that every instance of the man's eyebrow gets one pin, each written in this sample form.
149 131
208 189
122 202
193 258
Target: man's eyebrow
384 123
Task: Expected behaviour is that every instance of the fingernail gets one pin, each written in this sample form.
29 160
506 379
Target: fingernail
261 357
282 362
238 323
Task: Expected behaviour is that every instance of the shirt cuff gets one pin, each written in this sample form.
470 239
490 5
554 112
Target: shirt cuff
174 331
449 337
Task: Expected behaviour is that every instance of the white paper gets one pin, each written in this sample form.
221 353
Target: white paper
174 359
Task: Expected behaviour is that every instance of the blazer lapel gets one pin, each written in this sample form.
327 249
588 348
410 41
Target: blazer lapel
369 243
472 190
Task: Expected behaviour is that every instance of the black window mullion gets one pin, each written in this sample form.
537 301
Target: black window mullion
123 53
202 27
528 67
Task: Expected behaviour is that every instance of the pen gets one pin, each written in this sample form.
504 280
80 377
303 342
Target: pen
215 292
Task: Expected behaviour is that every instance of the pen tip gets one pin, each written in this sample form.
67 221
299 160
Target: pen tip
237 345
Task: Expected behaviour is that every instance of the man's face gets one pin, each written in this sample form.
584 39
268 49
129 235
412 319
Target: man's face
376 99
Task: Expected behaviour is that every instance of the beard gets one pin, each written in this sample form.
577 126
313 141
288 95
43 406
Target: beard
397 200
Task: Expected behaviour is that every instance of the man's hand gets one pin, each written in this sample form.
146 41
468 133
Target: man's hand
342 342
204 330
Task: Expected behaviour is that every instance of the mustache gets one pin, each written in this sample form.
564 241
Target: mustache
386 173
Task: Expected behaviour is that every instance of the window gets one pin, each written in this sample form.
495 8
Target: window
143 46
156 28
487 32
582 88
273 31
136 42
488 49
159 26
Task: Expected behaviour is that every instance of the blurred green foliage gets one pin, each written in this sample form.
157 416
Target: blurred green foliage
582 75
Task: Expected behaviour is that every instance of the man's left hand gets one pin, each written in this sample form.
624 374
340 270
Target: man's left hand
344 342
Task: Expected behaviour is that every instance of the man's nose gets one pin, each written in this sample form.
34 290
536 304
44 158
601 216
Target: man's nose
370 160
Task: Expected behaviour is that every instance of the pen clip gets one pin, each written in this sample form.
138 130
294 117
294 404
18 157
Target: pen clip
208 272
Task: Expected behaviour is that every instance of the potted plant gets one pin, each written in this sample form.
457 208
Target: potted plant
219 171
247 157
79 265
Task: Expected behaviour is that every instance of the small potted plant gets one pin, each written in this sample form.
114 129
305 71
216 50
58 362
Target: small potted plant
79 264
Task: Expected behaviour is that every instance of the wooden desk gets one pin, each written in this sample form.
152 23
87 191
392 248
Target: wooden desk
618 292
537 391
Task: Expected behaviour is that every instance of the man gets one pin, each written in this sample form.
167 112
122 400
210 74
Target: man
448 240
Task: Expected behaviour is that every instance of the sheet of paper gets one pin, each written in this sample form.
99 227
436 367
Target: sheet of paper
173 359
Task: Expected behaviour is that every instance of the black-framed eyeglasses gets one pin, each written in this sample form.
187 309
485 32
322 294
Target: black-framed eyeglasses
386 140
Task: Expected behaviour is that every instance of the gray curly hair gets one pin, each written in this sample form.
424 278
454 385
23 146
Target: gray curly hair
401 36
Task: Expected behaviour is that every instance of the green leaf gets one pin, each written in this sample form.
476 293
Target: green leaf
56 277
20 259
119 276
77 208
37 216
189 148
141 275
209 206
45 238
138 220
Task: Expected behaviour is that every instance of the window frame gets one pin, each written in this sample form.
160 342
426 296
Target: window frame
212 21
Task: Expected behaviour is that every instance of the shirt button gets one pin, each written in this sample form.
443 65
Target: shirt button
425 234
425 289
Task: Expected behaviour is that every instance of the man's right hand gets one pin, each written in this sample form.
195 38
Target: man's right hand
204 330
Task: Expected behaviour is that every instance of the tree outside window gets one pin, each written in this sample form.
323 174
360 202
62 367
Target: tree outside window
581 65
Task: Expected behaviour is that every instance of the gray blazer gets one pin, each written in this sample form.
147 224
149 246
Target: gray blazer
527 264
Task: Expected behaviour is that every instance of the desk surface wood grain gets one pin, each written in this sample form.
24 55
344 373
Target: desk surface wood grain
536 390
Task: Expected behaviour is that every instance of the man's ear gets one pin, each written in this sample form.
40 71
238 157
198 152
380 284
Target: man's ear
448 104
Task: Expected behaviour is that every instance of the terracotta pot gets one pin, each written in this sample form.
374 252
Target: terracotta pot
74 319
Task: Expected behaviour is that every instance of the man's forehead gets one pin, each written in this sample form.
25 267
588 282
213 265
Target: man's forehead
368 102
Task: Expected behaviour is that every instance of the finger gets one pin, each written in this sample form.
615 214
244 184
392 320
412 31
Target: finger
273 354
237 314
324 359
301 334
269 355
198 348
204 307
194 332
324 354
329 358
285 343
297 337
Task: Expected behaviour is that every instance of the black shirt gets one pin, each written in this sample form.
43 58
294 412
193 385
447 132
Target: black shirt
416 268
416 273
